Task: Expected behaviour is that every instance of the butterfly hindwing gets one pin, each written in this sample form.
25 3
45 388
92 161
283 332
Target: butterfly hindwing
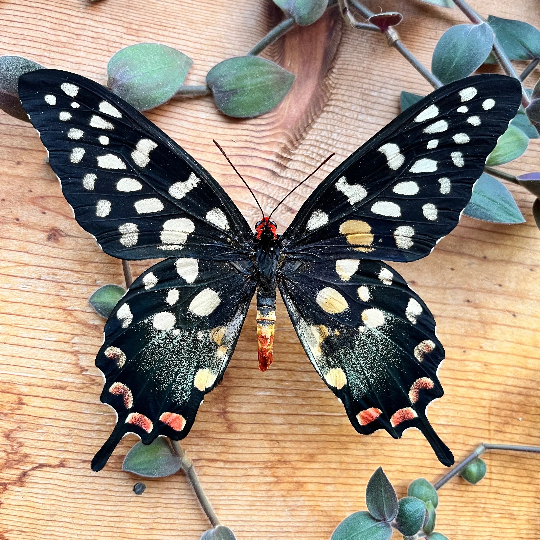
401 192
130 185
372 341
168 342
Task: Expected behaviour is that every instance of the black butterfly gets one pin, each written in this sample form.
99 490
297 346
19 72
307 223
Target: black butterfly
368 335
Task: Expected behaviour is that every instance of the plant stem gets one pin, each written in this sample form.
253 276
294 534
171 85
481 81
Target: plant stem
498 51
193 91
501 174
529 69
282 28
478 451
189 470
128 278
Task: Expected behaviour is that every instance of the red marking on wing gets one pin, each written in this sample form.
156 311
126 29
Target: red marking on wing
173 420
138 419
402 415
425 383
368 415
119 389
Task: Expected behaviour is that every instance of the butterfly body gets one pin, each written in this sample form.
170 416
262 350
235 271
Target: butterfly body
368 335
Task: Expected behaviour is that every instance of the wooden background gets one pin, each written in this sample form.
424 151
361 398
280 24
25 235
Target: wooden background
274 451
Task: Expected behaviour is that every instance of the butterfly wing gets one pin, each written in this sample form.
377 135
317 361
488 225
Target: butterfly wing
400 193
372 341
130 185
168 342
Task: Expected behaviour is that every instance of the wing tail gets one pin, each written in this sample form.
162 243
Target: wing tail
104 453
441 450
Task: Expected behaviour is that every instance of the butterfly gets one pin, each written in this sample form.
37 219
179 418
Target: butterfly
368 335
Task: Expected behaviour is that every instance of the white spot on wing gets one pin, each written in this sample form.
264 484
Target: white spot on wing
394 157
354 193
386 276
317 220
373 317
88 181
50 99
204 303
128 184
218 218
175 233
363 293
106 108
130 234
432 144
488 104
431 112
165 320
124 315
75 105
103 208
172 297
180 189
437 127
386 208
187 269
474 120
424 165
461 138
75 134
76 155
445 185
70 89
64 116
403 235
100 123
345 268
148 206
103 139
430 211
406 188
413 310
457 159
141 155
463 109
110 161
150 280
468 93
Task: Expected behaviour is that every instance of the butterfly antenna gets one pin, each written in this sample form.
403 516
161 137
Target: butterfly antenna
303 181
245 183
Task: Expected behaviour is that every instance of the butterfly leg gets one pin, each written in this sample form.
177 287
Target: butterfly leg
266 318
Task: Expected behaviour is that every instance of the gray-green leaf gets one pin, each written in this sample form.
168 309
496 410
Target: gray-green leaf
247 86
361 526
491 201
461 50
511 144
154 460
147 74
218 533
522 122
436 536
381 498
431 516
423 490
408 99
474 471
11 68
105 299
520 40
410 516
304 12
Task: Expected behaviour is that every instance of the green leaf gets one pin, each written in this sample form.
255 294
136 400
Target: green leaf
219 533
147 74
408 100
381 498
474 471
410 516
154 460
531 182
522 122
461 50
536 212
436 536
304 12
423 490
11 68
491 201
520 40
248 86
105 298
443 3
431 516
361 526
511 144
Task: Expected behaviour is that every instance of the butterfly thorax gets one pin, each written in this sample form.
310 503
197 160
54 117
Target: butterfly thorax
267 249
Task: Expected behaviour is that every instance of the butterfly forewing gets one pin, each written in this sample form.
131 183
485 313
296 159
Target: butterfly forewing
168 342
401 192
131 186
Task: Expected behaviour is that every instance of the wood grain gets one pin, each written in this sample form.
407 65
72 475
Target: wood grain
274 451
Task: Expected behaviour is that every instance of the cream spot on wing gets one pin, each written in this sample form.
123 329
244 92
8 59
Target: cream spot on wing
386 208
357 233
165 320
316 338
187 269
204 379
437 127
430 211
50 99
386 276
110 161
461 138
445 185
345 268
406 188
317 220
127 185
175 232
76 155
103 139
141 155
64 116
70 89
124 315
363 293
431 112
336 378
488 104
373 317
463 109
423 348
89 181
150 280
474 120
457 159
106 108
424 165
393 155
117 355
148 206
331 300
75 105
180 189
100 123
413 310
75 134
130 234
172 297
403 236
103 208
432 144
468 93
217 217
204 303
354 192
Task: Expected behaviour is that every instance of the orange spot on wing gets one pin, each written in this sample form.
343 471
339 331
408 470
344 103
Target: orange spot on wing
368 415
138 419
402 415
425 383
119 389
173 420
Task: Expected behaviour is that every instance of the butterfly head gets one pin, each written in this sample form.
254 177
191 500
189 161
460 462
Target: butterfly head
266 229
